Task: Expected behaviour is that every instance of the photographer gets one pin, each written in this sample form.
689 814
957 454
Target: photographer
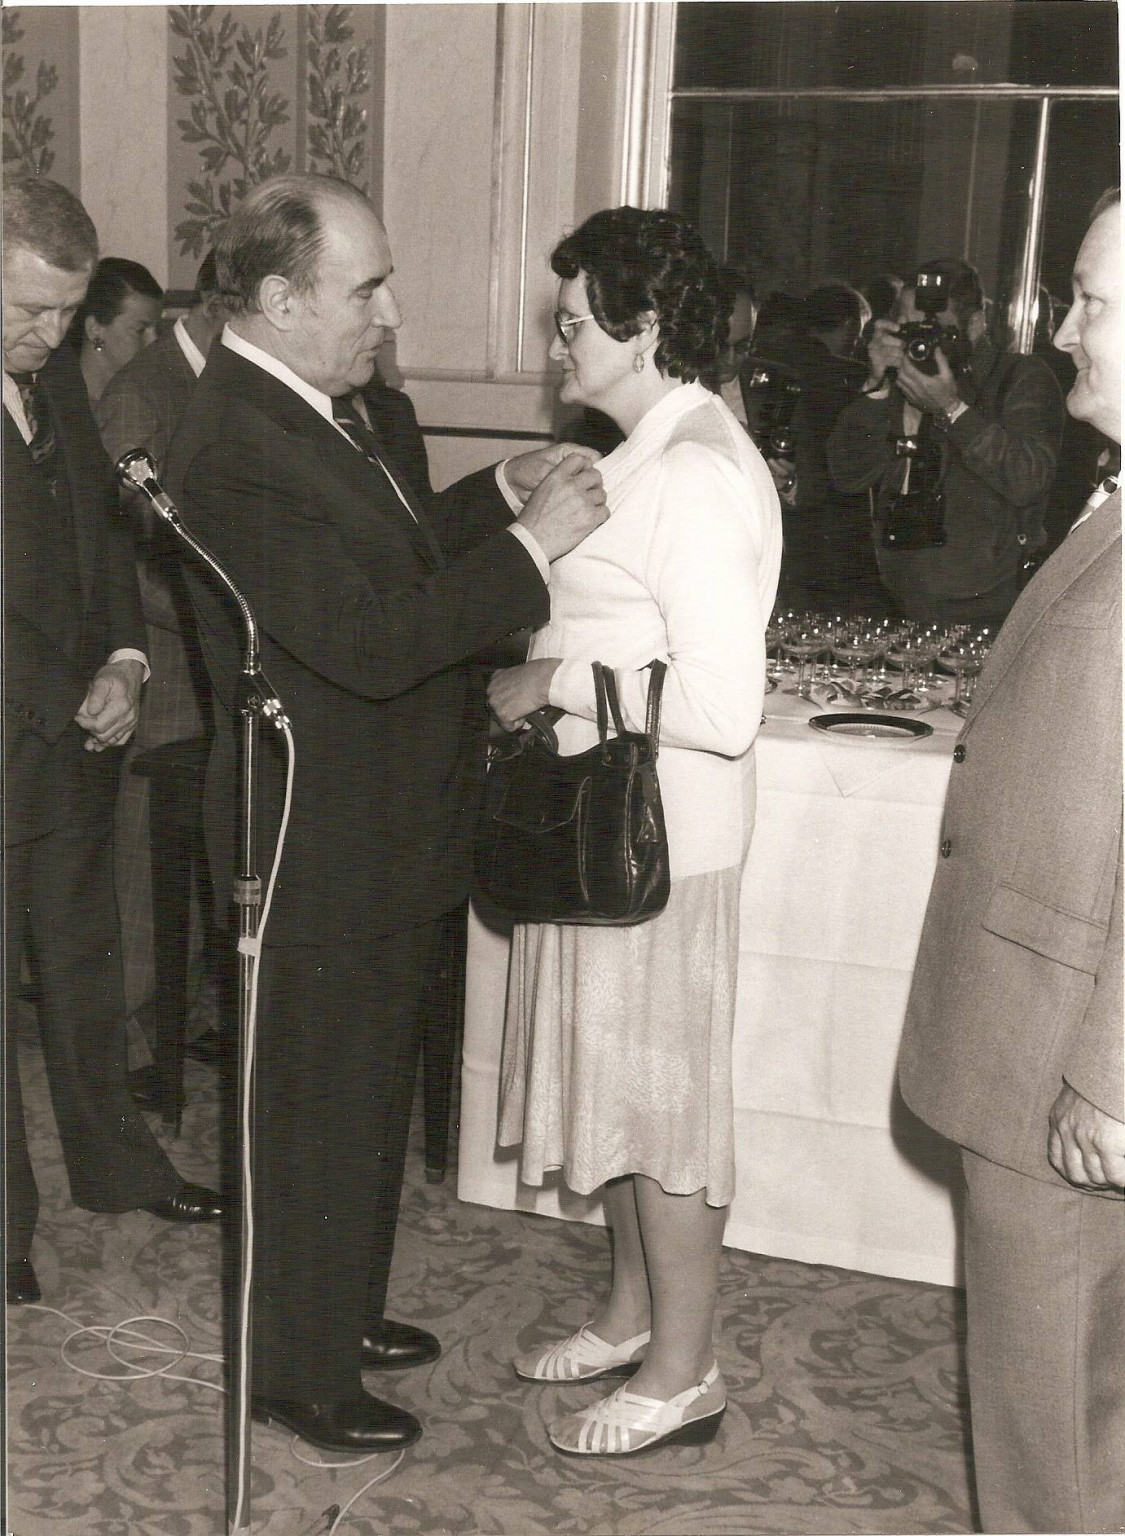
957 442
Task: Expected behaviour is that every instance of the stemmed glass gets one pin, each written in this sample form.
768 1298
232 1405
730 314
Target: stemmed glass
964 659
855 647
802 643
775 631
905 651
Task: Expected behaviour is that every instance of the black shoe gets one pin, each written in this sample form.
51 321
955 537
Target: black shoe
191 1202
389 1346
361 1423
22 1284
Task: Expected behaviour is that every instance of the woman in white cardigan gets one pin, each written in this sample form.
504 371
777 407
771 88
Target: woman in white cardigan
617 1051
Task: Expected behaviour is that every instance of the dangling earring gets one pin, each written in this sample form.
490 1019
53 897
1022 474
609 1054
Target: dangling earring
638 362
98 344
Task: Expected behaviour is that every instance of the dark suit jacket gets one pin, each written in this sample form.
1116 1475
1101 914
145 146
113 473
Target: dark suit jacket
1018 984
54 645
143 402
366 630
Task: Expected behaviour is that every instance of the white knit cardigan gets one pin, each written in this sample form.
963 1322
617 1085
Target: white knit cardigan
684 569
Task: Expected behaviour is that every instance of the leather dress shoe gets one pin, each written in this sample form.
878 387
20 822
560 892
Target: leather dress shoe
391 1346
361 1423
191 1202
22 1284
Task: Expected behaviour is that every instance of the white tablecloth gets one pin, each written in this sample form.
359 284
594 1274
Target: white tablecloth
831 1166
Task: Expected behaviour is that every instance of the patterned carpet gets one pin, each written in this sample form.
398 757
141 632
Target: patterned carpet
847 1409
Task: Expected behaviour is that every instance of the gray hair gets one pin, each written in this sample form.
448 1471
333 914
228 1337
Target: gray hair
278 231
43 217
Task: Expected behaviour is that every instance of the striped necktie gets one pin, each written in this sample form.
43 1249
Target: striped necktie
346 414
42 446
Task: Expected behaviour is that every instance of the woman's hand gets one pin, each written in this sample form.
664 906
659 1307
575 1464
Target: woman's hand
516 692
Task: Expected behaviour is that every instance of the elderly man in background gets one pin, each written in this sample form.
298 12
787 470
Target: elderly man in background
140 408
372 597
954 518
1013 1038
74 642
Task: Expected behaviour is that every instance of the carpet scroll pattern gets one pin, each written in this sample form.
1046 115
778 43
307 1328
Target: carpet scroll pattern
846 1414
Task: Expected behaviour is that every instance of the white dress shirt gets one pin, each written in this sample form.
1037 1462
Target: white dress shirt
195 359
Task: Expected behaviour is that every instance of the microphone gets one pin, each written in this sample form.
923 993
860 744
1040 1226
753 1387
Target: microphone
137 472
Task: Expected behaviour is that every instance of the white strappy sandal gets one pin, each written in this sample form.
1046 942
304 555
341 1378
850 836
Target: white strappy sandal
582 1357
625 1423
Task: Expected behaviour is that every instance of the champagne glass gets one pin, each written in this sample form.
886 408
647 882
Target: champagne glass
774 633
903 652
850 650
964 659
802 643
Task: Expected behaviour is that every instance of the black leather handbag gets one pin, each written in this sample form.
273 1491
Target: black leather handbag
576 839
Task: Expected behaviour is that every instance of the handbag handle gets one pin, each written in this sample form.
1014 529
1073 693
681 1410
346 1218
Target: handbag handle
605 686
541 723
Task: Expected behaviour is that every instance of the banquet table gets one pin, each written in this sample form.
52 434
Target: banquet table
831 1167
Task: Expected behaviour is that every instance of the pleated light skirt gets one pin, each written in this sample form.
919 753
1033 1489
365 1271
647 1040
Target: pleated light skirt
617 1045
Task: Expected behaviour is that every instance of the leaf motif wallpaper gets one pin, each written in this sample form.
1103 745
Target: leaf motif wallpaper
40 94
257 90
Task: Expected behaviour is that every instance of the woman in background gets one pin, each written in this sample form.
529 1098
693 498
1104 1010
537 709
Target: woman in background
118 316
617 1052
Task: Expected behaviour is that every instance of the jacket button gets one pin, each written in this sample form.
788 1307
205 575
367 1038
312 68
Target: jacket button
946 848
958 753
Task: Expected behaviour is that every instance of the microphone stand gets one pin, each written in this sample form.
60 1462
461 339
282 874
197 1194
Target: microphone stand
256 700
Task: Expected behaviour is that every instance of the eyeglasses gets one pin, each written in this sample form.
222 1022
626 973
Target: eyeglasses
563 327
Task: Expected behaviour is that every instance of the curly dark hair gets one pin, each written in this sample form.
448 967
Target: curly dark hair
638 260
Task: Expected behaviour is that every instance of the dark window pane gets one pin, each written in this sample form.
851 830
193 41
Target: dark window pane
800 191
870 43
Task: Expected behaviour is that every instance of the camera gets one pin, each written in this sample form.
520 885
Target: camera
775 397
915 518
921 338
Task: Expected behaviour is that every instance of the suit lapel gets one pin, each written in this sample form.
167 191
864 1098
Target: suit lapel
83 458
298 420
1075 554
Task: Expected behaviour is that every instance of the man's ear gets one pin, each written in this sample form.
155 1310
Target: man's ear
276 301
978 324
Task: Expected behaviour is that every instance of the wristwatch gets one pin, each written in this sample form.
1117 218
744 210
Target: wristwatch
943 420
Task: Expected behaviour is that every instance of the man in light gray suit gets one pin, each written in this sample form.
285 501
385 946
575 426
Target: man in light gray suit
1013 1039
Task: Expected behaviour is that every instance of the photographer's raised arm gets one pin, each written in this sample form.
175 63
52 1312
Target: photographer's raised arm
1015 451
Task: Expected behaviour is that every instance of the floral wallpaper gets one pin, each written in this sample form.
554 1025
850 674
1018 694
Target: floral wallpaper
257 91
40 96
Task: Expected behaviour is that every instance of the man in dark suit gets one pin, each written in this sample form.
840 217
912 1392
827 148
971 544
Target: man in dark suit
74 667
1013 1039
371 598
139 408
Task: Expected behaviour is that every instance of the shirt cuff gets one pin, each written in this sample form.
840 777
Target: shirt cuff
128 654
534 549
514 503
